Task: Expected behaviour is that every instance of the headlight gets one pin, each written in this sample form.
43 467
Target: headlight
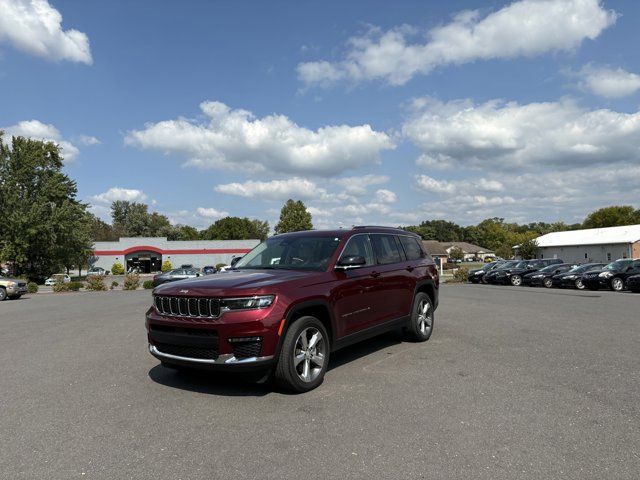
571 277
11 284
247 303
606 274
479 273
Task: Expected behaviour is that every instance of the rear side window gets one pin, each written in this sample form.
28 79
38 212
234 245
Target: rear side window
359 246
411 248
386 249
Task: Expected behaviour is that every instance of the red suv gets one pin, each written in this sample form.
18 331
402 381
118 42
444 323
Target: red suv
294 299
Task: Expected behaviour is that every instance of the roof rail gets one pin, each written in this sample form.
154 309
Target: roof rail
375 226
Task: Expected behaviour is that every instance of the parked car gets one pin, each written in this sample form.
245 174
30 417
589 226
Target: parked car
573 277
12 288
513 275
99 271
544 276
477 275
633 283
497 274
295 299
57 278
209 270
613 276
175 275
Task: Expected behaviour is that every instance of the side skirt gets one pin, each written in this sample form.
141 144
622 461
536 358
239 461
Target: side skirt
369 332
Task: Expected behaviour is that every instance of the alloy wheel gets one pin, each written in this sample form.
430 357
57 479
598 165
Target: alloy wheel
579 284
309 354
548 282
617 284
516 280
425 317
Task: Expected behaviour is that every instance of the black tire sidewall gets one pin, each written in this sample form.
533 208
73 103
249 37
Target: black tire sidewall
285 373
3 294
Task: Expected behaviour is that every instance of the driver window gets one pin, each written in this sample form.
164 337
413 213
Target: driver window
359 246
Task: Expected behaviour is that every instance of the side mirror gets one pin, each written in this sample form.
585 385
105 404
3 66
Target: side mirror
351 261
234 261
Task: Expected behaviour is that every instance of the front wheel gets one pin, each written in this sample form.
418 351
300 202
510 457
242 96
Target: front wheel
304 356
579 285
516 280
617 284
421 321
3 294
548 282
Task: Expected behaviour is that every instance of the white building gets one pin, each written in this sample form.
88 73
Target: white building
148 253
600 245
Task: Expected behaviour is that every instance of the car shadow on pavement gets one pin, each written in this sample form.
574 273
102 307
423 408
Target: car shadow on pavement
363 349
212 383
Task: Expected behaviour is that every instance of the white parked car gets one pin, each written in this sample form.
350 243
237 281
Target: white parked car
57 278
97 271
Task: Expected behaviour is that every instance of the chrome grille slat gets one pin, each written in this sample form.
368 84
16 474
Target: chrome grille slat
187 306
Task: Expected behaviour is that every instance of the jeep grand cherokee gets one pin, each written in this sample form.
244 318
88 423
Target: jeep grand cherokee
293 300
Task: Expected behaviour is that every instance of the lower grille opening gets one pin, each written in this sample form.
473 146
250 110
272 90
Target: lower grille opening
247 349
207 353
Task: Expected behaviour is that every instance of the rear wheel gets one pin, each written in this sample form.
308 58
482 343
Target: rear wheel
617 284
548 282
516 280
3 294
304 356
421 321
578 283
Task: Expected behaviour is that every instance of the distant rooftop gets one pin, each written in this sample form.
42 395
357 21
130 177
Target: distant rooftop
591 236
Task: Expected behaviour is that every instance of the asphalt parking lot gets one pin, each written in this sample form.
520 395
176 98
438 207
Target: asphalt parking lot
515 383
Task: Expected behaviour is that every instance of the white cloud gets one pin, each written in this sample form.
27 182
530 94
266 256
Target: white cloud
524 28
44 131
211 213
117 193
508 136
35 27
608 82
385 196
235 139
358 185
298 188
88 140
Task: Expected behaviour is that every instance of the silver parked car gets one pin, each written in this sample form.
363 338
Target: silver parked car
174 275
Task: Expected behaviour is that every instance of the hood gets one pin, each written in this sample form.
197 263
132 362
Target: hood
9 279
234 282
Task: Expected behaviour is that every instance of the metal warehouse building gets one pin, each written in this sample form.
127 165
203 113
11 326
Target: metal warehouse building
593 245
148 253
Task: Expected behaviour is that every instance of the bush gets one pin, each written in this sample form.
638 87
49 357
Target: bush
117 269
32 287
449 266
461 275
95 283
166 266
114 284
131 281
61 287
147 284
75 286
220 265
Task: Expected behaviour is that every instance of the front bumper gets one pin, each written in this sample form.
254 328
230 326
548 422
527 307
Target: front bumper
17 290
223 362
496 279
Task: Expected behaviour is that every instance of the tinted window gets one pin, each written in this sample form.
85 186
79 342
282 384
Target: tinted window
359 246
386 249
411 248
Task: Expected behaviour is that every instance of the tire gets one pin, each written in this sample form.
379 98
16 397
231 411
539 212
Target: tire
579 285
3 294
304 356
516 280
547 282
422 318
617 284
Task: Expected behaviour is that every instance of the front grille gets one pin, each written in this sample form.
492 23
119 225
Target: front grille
187 306
210 353
22 284
247 349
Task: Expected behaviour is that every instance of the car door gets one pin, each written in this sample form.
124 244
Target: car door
392 289
354 297
633 269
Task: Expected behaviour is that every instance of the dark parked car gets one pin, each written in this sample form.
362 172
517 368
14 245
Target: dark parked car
293 300
573 278
209 270
513 274
477 275
175 275
613 276
495 275
633 283
543 277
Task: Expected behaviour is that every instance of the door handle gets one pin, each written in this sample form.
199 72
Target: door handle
375 274
410 269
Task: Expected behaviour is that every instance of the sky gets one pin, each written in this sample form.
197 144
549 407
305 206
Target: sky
376 112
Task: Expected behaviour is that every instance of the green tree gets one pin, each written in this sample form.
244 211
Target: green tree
528 248
236 228
43 227
101 231
456 253
294 217
613 216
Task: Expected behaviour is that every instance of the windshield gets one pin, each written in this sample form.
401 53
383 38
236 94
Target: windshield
521 265
291 253
618 265
550 268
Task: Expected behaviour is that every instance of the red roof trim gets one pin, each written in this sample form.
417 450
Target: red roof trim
195 251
